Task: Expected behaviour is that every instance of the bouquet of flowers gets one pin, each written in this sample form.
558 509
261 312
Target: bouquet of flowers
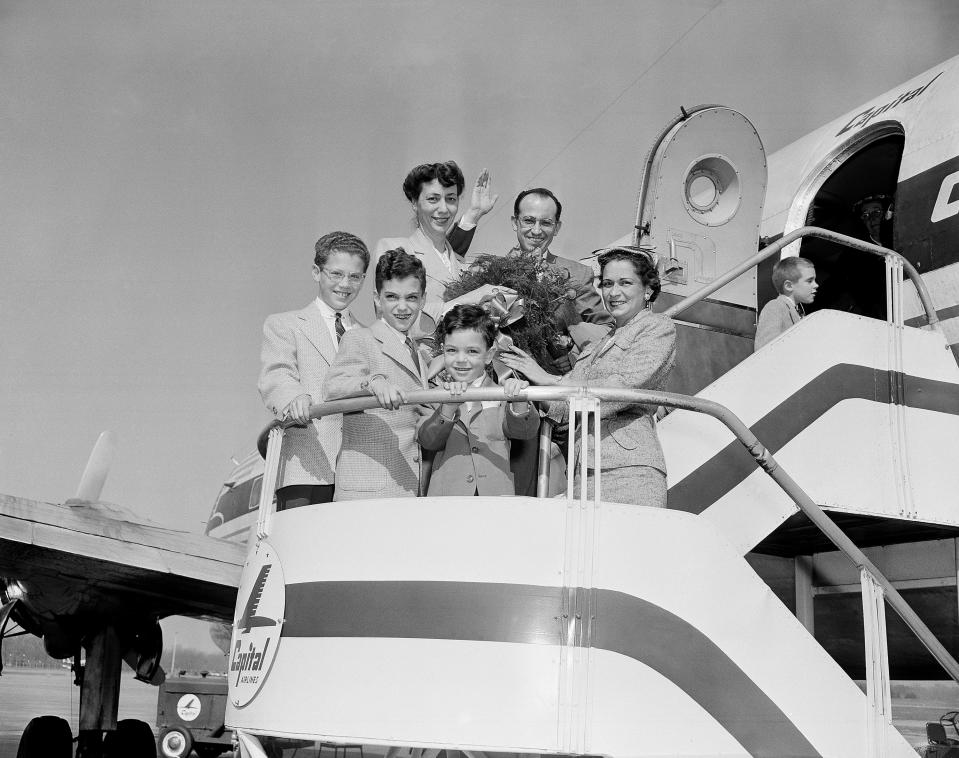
530 317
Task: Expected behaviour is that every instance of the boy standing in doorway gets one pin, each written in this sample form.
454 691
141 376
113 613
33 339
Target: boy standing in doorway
795 281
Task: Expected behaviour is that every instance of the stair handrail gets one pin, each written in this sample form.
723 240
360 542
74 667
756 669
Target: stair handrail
810 231
763 458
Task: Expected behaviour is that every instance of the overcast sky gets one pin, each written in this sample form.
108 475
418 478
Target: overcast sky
167 166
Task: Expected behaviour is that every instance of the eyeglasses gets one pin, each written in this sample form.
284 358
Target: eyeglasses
528 222
339 276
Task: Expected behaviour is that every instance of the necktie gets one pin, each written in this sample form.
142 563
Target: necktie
413 354
338 327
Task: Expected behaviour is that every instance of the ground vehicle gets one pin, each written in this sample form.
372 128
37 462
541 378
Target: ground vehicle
190 716
941 744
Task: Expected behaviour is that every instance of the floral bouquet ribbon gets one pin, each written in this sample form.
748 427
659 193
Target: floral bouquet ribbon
504 309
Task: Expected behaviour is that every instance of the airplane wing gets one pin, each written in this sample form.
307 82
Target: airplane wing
75 565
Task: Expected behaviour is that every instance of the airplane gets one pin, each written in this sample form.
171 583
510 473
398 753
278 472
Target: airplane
722 208
93 580
735 621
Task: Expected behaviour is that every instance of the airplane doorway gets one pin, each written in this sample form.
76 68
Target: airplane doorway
849 281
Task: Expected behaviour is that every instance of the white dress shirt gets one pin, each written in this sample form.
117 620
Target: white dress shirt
329 318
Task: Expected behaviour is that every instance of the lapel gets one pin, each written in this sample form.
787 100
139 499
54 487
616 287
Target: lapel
311 324
477 407
621 336
396 350
792 309
435 268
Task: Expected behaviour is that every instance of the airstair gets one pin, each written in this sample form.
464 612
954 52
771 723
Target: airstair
580 626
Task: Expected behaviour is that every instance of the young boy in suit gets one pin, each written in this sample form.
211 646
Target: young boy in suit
379 456
472 439
795 281
298 348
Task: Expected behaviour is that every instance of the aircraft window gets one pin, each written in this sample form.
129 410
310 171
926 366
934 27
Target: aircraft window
255 493
712 190
702 192
235 501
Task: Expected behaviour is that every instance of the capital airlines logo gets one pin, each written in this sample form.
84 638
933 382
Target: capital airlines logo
257 624
861 119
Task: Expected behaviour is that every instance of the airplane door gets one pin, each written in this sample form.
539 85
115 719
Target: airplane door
701 202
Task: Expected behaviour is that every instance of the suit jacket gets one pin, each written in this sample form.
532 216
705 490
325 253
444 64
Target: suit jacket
379 456
437 274
638 355
296 354
473 450
775 318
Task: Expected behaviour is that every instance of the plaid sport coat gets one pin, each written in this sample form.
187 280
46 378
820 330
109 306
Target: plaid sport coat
638 355
379 456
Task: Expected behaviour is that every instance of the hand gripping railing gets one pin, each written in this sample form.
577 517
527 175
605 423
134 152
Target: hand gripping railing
826 234
576 396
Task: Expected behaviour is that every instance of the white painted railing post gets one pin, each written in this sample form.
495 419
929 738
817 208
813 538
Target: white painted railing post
268 489
878 694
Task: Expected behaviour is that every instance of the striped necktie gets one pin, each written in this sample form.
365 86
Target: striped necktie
338 327
413 354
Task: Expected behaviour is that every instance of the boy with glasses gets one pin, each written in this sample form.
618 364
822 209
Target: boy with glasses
298 348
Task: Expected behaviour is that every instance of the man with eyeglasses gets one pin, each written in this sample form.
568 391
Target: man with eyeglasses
875 212
298 348
580 319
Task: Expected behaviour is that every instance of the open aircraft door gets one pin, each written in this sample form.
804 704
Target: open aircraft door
701 200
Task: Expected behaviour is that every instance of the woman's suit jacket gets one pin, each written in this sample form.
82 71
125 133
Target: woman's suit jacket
379 456
473 450
437 275
296 354
638 355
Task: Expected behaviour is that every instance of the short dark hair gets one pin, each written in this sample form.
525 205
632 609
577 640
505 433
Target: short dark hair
447 174
787 270
340 242
399 264
543 192
642 263
471 317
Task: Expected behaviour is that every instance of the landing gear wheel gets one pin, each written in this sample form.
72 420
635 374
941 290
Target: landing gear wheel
132 739
175 742
46 737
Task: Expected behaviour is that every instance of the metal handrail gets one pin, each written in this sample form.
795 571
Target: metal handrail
721 413
809 231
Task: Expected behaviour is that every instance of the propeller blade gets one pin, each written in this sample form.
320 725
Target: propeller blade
98 466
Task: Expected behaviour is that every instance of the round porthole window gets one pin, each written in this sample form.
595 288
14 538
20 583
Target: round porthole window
711 190
701 191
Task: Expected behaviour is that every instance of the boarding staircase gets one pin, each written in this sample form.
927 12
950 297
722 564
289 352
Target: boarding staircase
580 626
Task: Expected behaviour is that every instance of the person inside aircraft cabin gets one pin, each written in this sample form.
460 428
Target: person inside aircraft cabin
472 440
298 348
795 280
379 456
875 212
